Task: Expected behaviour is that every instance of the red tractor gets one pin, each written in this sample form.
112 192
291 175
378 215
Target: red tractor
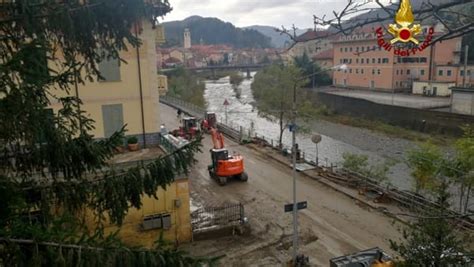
209 122
188 130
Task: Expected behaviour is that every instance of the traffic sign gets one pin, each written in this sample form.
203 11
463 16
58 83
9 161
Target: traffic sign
300 205
226 103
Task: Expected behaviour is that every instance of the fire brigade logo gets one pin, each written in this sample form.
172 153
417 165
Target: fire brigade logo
404 31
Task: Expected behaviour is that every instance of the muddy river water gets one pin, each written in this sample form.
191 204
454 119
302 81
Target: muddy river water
240 112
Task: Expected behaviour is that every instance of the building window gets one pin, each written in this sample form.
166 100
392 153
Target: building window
374 48
362 61
385 60
462 73
350 70
469 73
408 72
378 71
362 71
109 69
357 49
373 71
396 84
357 71
350 49
440 72
368 48
362 49
340 49
423 59
398 72
422 72
401 72
345 49
448 72
379 60
373 60
380 48
367 60
357 60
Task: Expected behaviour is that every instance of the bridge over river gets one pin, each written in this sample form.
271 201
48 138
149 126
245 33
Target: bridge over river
247 68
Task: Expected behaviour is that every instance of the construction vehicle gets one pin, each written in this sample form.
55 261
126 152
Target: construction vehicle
224 166
188 130
209 122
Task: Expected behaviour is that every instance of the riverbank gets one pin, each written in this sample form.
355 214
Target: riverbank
388 130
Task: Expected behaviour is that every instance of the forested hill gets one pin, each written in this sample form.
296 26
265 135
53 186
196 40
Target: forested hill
214 31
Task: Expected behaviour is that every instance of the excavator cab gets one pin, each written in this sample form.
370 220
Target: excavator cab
189 123
209 122
189 129
219 154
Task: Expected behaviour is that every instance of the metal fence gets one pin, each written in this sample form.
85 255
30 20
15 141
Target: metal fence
186 107
214 218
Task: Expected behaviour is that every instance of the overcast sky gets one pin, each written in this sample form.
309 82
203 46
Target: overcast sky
257 12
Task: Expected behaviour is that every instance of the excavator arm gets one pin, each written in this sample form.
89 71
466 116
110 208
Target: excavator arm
217 139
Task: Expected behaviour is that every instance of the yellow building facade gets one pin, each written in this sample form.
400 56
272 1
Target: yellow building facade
128 94
169 214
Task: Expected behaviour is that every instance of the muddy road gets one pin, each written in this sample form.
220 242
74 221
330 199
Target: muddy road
332 225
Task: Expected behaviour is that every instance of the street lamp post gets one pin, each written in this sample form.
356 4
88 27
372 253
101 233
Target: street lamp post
293 150
316 139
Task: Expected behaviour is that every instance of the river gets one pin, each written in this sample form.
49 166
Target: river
240 112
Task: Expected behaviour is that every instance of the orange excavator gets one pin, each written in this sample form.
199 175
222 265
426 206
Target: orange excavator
224 166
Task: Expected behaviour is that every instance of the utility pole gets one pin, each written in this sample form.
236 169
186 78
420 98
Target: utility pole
466 51
293 150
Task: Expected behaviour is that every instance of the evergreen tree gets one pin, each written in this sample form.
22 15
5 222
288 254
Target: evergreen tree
49 163
432 240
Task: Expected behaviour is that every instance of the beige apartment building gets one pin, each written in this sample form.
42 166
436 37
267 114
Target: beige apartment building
372 67
128 93
311 43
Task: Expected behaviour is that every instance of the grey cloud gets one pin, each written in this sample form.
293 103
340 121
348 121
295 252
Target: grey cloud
250 6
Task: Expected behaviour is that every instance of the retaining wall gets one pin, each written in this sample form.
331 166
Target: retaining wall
429 121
